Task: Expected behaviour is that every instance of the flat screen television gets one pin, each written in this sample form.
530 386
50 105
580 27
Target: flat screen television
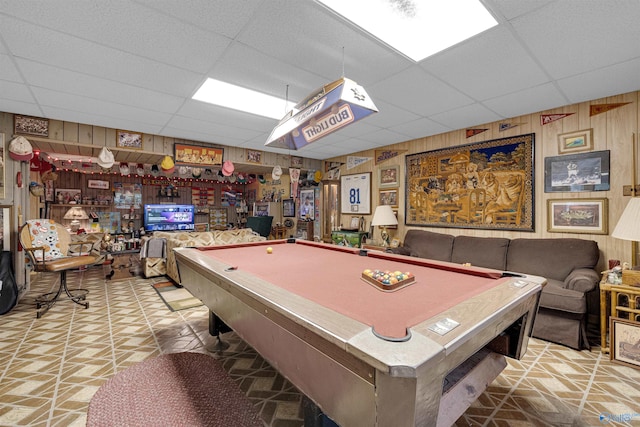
169 217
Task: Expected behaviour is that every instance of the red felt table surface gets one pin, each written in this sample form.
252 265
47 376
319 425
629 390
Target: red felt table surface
331 276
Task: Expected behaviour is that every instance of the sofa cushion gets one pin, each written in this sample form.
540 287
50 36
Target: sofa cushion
551 258
489 252
426 244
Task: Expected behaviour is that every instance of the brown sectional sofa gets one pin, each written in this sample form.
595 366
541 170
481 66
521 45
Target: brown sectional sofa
567 264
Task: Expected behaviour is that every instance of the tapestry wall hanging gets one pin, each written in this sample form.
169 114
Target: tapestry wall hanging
484 185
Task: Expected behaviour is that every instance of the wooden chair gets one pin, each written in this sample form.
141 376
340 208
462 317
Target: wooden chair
512 215
473 208
47 245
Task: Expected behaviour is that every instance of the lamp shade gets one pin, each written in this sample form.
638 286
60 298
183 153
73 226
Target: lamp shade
384 216
76 213
628 227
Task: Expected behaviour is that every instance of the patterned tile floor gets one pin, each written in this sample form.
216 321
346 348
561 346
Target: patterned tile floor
51 367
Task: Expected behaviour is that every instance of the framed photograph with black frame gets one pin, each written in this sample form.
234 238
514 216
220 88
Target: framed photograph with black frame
625 335
586 216
577 172
288 208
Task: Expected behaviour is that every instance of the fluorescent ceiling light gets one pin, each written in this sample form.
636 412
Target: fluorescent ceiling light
243 99
416 28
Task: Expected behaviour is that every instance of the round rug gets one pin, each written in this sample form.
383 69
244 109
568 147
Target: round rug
177 389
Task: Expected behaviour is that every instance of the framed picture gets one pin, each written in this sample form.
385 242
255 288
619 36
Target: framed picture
307 208
577 172
355 193
2 163
296 162
355 223
68 195
128 139
288 208
389 197
483 185
388 176
587 216
27 125
99 184
194 155
574 142
253 156
5 228
625 334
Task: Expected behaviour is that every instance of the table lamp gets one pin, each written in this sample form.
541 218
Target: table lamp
75 214
384 216
628 227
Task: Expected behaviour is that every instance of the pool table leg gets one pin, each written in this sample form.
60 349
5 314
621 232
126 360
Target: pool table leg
217 327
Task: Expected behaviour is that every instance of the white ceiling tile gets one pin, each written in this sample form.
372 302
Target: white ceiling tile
492 65
469 115
537 99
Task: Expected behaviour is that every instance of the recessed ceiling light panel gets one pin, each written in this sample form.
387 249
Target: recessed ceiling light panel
416 28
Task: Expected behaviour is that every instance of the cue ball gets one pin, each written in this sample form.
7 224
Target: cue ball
269 249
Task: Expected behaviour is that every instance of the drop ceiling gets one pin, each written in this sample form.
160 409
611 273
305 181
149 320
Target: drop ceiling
136 64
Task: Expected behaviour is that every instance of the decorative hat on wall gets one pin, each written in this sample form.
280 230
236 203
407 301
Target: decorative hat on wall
196 172
261 179
124 169
276 173
20 149
105 158
167 165
227 168
140 169
155 171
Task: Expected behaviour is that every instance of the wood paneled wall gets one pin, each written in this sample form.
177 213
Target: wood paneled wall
612 130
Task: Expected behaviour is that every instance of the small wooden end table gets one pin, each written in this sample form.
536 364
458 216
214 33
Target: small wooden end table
616 296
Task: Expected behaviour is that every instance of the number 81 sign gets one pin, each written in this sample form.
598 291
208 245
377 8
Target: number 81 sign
355 193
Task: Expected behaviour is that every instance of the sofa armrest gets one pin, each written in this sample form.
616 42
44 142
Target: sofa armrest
400 250
582 279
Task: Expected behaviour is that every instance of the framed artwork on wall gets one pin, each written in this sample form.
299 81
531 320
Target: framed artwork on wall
27 125
587 216
574 142
388 176
307 204
355 193
389 197
484 185
128 139
195 155
577 172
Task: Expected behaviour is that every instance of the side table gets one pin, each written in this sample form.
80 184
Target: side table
625 303
371 247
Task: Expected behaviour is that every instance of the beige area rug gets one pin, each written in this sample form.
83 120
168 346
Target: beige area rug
176 298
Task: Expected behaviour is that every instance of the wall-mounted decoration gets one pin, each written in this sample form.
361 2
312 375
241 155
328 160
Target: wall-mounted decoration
5 228
307 204
587 216
2 163
389 197
296 162
68 195
545 119
288 208
574 142
485 185
99 184
384 155
194 155
355 193
30 125
128 139
253 156
127 196
603 108
388 176
625 335
577 172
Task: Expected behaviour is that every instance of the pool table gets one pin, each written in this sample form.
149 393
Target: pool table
365 355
